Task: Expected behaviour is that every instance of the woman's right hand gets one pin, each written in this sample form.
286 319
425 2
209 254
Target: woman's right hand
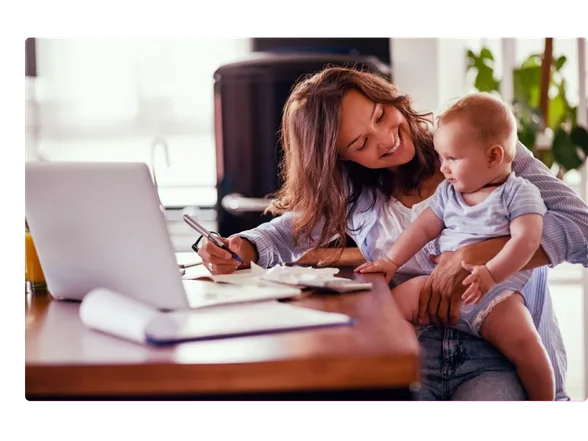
218 261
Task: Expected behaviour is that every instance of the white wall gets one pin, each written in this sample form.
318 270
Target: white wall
431 70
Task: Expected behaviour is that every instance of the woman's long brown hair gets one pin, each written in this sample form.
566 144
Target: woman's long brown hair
312 171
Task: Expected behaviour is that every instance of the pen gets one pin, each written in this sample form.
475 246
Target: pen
195 225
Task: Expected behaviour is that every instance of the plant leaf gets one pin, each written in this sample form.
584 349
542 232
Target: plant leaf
559 62
574 115
471 58
527 137
558 111
485 81
485 53
532 61
564 150
579 136
526 85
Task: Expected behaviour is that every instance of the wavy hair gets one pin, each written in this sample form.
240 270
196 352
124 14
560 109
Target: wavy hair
313 174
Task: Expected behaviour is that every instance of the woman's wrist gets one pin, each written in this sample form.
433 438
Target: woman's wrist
248 252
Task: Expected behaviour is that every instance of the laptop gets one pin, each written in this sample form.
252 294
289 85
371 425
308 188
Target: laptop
100 225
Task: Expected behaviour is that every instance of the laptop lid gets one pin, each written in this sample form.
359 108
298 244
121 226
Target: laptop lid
100 225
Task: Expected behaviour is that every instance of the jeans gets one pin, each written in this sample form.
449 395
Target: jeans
459 366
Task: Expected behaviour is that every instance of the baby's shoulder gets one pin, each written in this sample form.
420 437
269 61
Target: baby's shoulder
517 186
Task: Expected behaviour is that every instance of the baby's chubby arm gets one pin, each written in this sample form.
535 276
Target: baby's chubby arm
525 232
424 229
526 210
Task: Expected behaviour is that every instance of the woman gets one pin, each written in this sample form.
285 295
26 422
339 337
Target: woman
359 160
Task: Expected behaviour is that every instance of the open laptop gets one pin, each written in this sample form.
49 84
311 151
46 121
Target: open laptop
100 225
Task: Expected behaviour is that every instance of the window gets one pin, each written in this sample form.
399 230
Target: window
107 100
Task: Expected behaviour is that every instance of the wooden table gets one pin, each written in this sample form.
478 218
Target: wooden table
377 358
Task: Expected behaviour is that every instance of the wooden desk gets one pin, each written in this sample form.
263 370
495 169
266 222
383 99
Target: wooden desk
377 358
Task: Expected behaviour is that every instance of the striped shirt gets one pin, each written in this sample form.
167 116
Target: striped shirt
564 238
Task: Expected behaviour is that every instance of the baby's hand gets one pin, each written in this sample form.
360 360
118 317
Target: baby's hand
384 265
480 281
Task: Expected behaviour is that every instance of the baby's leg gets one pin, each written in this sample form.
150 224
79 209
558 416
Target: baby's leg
510 328
407 295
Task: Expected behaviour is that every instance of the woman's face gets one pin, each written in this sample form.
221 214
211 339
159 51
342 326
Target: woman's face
373 135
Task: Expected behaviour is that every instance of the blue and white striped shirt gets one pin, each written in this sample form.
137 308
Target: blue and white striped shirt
565 238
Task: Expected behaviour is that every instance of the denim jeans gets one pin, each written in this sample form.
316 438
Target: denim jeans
459 366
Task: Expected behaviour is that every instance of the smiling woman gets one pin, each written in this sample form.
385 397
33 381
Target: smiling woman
373 132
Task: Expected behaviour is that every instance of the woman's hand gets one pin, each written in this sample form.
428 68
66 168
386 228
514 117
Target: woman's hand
441 297
219 261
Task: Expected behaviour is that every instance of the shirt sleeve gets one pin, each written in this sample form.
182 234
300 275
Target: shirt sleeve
565 224
439 199
524 198
275 242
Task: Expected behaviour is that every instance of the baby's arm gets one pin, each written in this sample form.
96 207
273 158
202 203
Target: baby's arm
526 210
424 229
525 233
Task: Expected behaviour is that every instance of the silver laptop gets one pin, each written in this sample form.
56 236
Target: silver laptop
101 225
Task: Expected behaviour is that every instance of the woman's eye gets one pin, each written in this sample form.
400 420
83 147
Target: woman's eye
381 117
451 158
362 146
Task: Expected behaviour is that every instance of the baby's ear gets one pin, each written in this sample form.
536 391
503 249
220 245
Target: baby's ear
495 155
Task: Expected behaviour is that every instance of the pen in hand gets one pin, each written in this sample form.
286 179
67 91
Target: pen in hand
196 226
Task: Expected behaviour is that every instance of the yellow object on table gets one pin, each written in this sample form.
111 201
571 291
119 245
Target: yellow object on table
33 271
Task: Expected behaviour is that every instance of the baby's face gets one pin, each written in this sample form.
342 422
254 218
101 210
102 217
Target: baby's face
463 158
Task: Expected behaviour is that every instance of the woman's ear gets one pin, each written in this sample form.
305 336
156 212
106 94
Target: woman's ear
495 155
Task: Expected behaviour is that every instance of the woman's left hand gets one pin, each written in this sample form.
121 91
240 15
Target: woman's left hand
440 299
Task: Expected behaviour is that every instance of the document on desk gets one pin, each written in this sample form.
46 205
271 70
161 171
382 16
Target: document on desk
112 313
322 279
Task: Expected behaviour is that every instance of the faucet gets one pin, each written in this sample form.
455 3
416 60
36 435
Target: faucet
157 141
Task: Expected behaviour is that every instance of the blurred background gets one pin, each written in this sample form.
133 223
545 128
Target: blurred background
204 115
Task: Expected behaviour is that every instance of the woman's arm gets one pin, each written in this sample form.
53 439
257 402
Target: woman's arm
323 256
274 241
565 225
480 253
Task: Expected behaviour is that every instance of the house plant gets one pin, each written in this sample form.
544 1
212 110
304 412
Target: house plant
547 123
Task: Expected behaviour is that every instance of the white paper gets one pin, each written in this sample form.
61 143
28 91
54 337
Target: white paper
205 294
278 275
242 319
115 314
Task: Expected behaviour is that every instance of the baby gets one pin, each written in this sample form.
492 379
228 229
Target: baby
481 198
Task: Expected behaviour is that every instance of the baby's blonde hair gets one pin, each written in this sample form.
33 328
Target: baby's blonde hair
490 120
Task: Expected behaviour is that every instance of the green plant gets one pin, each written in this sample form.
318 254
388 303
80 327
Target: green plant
568 147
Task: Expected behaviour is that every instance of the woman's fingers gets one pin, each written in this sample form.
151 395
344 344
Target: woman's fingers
368 267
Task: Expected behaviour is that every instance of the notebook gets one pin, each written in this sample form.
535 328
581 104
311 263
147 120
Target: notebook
122 316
